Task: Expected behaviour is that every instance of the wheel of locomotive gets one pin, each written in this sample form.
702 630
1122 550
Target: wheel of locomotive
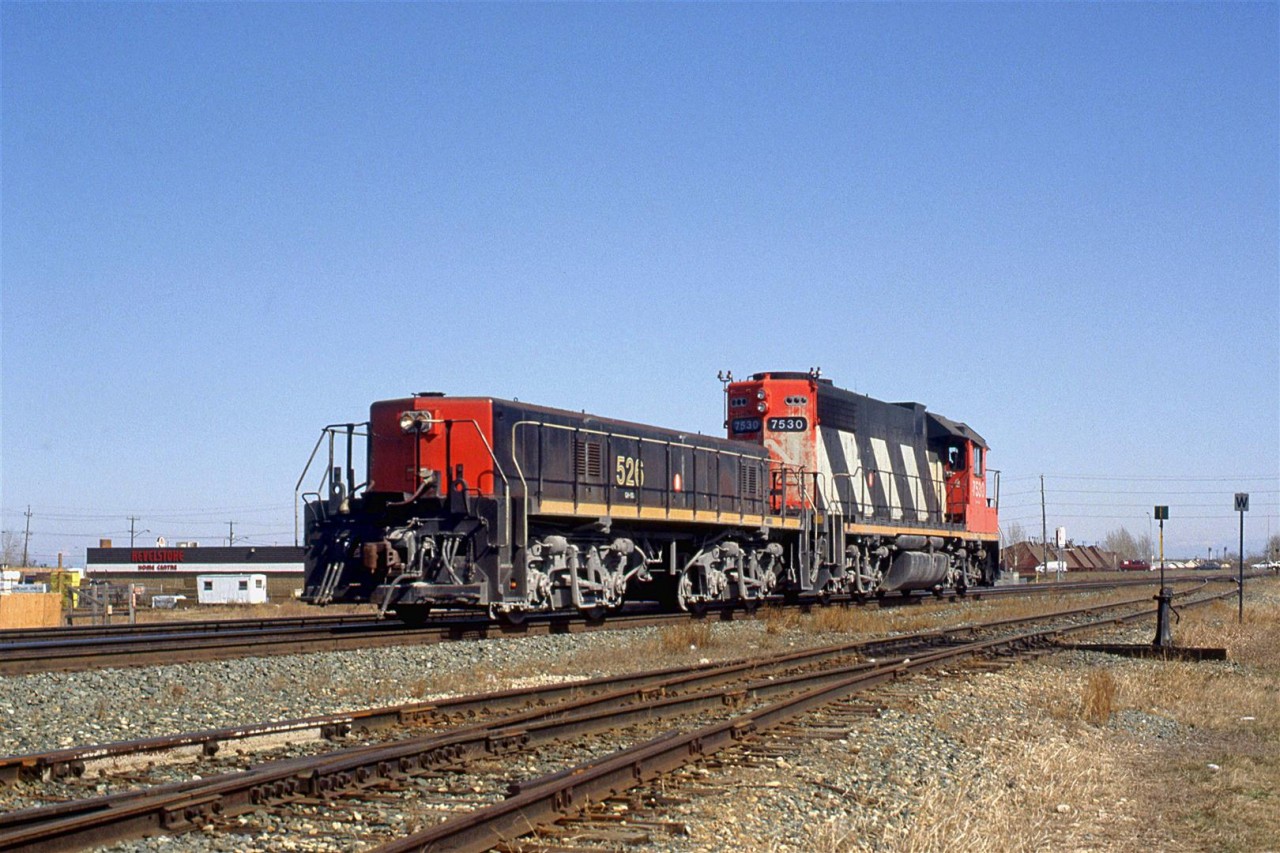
413 615
507 617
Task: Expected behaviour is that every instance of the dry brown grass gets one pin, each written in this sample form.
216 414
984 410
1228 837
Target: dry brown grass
1099 697
274 610
1014 810
780 620
1060 784
834 620
687 637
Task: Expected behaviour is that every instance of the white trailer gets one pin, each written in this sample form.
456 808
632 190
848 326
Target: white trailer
231 589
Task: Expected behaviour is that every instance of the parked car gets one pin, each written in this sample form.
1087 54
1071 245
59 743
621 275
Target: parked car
1209 566
1136 566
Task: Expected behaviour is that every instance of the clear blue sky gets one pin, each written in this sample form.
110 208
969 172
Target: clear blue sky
225 225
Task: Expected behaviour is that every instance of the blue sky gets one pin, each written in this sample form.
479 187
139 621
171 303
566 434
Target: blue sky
225 225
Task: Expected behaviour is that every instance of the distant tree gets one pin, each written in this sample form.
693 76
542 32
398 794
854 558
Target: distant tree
1271 551
1123 543
1014 532
1146 546
11 548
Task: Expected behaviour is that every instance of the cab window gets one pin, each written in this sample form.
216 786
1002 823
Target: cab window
977 461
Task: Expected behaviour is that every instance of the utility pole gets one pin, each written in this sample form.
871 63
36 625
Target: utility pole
26 537
132 520
231 533
1044 530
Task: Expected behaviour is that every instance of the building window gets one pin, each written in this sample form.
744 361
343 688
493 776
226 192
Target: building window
208 586
244 585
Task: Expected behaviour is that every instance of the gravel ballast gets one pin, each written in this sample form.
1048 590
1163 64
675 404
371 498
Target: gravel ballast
928 734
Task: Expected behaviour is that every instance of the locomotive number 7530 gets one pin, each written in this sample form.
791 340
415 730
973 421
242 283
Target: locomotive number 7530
628 471
788 424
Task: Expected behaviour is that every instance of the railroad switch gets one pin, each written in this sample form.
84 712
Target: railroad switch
1164 639
1162 646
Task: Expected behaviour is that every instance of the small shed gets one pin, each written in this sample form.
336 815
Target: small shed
231 589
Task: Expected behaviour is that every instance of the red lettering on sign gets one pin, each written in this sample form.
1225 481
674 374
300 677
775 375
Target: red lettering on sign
157 555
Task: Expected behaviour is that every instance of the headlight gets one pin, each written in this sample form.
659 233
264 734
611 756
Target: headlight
760 394
762 407
406 422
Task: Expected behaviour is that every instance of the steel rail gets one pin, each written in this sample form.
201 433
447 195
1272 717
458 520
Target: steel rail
126 646
191 626
184 805
215 626
76 760
96 653
545 799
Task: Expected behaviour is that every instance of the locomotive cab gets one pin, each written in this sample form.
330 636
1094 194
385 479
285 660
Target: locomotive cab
964 464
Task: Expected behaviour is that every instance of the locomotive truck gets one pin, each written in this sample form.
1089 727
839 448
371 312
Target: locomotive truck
514 508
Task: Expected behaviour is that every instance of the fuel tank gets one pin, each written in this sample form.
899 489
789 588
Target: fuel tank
915 570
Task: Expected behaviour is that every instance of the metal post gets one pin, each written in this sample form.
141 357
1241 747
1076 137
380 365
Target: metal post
1148 555
1242 506
1241 618
1044 531
1162 553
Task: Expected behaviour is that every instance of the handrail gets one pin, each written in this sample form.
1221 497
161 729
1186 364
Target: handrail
493 457
607 434
327 430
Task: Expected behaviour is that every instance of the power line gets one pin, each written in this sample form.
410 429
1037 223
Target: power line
1130 517
1151 491
1009 506
1111 478
64 512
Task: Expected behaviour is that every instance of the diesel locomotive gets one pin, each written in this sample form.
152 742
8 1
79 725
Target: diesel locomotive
513 508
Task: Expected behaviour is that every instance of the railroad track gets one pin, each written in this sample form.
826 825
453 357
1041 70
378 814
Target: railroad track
538 727
155 648
188 626
93 647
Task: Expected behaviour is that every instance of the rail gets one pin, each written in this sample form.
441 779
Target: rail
189 805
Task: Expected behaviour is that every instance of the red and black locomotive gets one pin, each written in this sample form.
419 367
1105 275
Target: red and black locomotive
476 502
